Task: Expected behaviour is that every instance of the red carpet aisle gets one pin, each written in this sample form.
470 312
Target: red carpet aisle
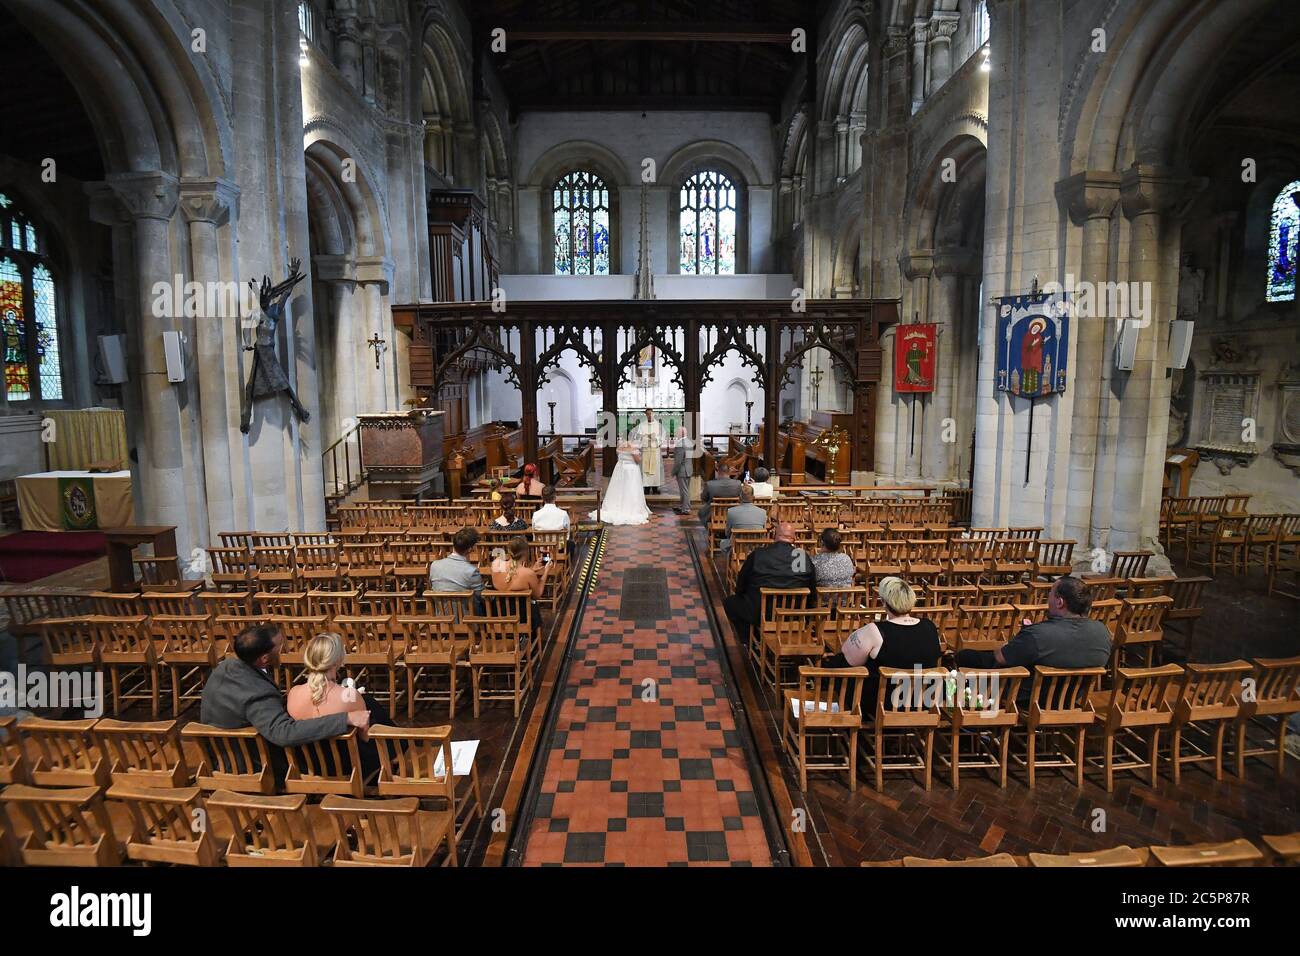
638 782
32 555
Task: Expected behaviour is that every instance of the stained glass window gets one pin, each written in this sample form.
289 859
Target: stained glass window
28 310
708 225
581 211
1283 243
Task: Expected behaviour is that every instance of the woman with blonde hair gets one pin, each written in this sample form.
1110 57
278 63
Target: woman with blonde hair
322 694
897 640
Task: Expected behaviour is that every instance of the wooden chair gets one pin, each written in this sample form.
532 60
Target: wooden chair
13 760
425 762
925 565
434 648
1141 627
128 654
269 830
318 563
330 765
497 661
718 521
235 760
794 639
985 628
771 601
142 753
849 610
1276 696
1053 559
1107 611
996 860
982 711
1129 564
187 653
906 712
1120 856
374 645
1208 700
72 643
280 603
1286 552
1262 532
1188 606
1228 534
1136 706
991 594
1105 587
518 606
1148 587
275 568
1237 852
1286 847
389 832
165 828
241 540
825 707
364 565
1178 520
298 630
1012 559
232 569
69 827
968 560
1060 704
66 755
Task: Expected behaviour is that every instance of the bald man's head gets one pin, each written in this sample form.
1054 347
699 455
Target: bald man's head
785 531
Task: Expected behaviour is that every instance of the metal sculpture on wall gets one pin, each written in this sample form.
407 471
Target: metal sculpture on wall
267 376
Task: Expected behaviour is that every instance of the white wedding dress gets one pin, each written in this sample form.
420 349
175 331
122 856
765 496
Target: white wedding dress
624 496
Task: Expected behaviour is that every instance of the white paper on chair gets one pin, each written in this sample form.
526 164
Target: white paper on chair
462 758
796 705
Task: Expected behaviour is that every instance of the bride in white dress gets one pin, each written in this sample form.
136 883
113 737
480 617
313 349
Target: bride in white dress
625 496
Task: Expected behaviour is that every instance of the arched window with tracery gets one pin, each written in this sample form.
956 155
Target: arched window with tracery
28 309
707 224
1283 243
582 224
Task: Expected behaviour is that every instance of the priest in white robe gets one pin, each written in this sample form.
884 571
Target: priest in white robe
649 436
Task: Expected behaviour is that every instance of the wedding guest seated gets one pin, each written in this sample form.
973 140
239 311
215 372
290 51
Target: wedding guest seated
721 486
550 517
241 692
1068 638
322 694
745 515
511 572
529 485
776 565
762 485
899 640
835 568
458 571
507 520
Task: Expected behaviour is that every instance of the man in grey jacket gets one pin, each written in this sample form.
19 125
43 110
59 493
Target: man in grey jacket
682 472
722 486
744 515
240 692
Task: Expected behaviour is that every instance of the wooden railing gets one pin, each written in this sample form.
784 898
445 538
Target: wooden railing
341 466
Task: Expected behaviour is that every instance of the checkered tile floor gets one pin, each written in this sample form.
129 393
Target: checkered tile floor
646 767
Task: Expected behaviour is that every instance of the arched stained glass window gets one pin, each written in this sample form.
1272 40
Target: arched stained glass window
28 310
708 225
1284 244
581 216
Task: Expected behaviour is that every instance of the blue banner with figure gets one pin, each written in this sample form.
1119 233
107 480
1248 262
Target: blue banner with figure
1033 343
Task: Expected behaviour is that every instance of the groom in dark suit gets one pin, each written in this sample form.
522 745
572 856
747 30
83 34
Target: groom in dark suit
682 472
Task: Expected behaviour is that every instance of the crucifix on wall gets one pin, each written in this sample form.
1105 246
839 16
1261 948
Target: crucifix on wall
379 345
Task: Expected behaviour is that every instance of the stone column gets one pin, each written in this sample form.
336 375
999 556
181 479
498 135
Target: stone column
887 405
336 344
895 54
374 274
208 204
1149 195
150 201
951 265
347 50
920 36
942 26
1089 199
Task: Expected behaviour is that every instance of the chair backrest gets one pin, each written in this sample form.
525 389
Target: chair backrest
513 604
454 604
772 600
143 753
298 630
71 641
187 638
369 635
282 603
831 690
377 832
1231 527
169 602
124 639
317 556
986 694
329 765
230 563
1031 532
330 603
1186 593
69 827
1211 691
1140 695
986 627
165 824
1148 587
1014 551
268 830
799 627
231 759
1105 588
428 635
1055 555
274 558
1061 695
1107 611
66 752
1129 564
903 693
224 602
415 761
1277 686
925 553
495 635
1263 527
1142 618
990 594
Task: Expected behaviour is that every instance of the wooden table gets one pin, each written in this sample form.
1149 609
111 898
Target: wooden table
122 543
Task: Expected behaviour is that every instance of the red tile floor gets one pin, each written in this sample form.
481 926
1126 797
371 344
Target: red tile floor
646 766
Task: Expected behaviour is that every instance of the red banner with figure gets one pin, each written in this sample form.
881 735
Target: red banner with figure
914 357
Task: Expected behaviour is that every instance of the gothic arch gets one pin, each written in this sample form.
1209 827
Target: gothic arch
698 157
565 158
932 188
326 151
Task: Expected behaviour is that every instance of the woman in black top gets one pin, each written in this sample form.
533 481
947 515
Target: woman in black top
898 640
508 520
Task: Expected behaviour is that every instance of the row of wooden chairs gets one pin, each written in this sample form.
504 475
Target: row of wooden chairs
1237 540
1282 849
58 775
400 645
826 727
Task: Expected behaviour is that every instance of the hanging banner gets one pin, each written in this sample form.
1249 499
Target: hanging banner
1033 343
914 357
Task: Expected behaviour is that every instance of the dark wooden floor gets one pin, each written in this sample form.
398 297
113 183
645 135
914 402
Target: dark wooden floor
847 827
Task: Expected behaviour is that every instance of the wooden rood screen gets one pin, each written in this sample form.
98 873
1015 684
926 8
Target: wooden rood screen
450 339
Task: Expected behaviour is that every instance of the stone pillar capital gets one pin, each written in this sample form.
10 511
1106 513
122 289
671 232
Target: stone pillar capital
956 261
334 268
896 41
1157 190
146 195
376 270
209 200
916 264
942 26
1088 195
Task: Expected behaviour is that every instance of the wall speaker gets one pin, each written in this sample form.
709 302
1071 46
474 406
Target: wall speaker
1180 342
112 359
1126 344
172 342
